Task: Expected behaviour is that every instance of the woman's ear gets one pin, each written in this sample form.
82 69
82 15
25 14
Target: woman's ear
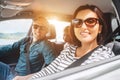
100 29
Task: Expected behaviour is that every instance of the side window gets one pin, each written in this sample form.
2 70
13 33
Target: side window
13 30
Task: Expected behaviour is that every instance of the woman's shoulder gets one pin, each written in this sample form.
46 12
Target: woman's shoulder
104 51
101 53
104 48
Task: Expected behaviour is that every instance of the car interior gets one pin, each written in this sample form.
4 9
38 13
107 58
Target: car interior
62 11
105 70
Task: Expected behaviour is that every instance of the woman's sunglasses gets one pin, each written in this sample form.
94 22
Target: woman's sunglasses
90 22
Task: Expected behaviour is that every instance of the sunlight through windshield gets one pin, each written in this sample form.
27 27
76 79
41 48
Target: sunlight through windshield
59 26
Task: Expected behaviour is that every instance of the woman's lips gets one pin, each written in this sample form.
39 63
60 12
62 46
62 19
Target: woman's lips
84 34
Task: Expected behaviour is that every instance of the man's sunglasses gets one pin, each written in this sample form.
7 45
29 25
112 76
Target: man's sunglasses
90 22
36 26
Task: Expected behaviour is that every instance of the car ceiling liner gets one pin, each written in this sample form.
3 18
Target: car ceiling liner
9 8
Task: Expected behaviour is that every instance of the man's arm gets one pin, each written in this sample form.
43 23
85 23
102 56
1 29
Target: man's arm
11 48
48 53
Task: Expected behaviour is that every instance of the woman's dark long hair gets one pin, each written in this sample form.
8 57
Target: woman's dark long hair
95 9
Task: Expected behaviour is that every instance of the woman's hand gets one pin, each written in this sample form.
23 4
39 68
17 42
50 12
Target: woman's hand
23 77
20 78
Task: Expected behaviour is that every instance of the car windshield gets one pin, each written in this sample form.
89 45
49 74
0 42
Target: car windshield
16 29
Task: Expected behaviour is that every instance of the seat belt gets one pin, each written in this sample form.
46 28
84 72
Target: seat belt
79 61
27 57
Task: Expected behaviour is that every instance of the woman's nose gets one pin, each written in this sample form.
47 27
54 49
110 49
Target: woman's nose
84 25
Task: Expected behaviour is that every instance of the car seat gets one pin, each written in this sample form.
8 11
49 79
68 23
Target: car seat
115 35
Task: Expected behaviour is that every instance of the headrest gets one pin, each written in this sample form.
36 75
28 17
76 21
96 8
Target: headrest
108 19
51 33
112 26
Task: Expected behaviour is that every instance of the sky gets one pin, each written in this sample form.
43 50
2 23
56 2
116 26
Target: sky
9 26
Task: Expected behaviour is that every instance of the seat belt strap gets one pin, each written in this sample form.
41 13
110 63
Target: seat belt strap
79 61
27 57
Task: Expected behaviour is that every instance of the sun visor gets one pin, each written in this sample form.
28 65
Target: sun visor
9 12
10 8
